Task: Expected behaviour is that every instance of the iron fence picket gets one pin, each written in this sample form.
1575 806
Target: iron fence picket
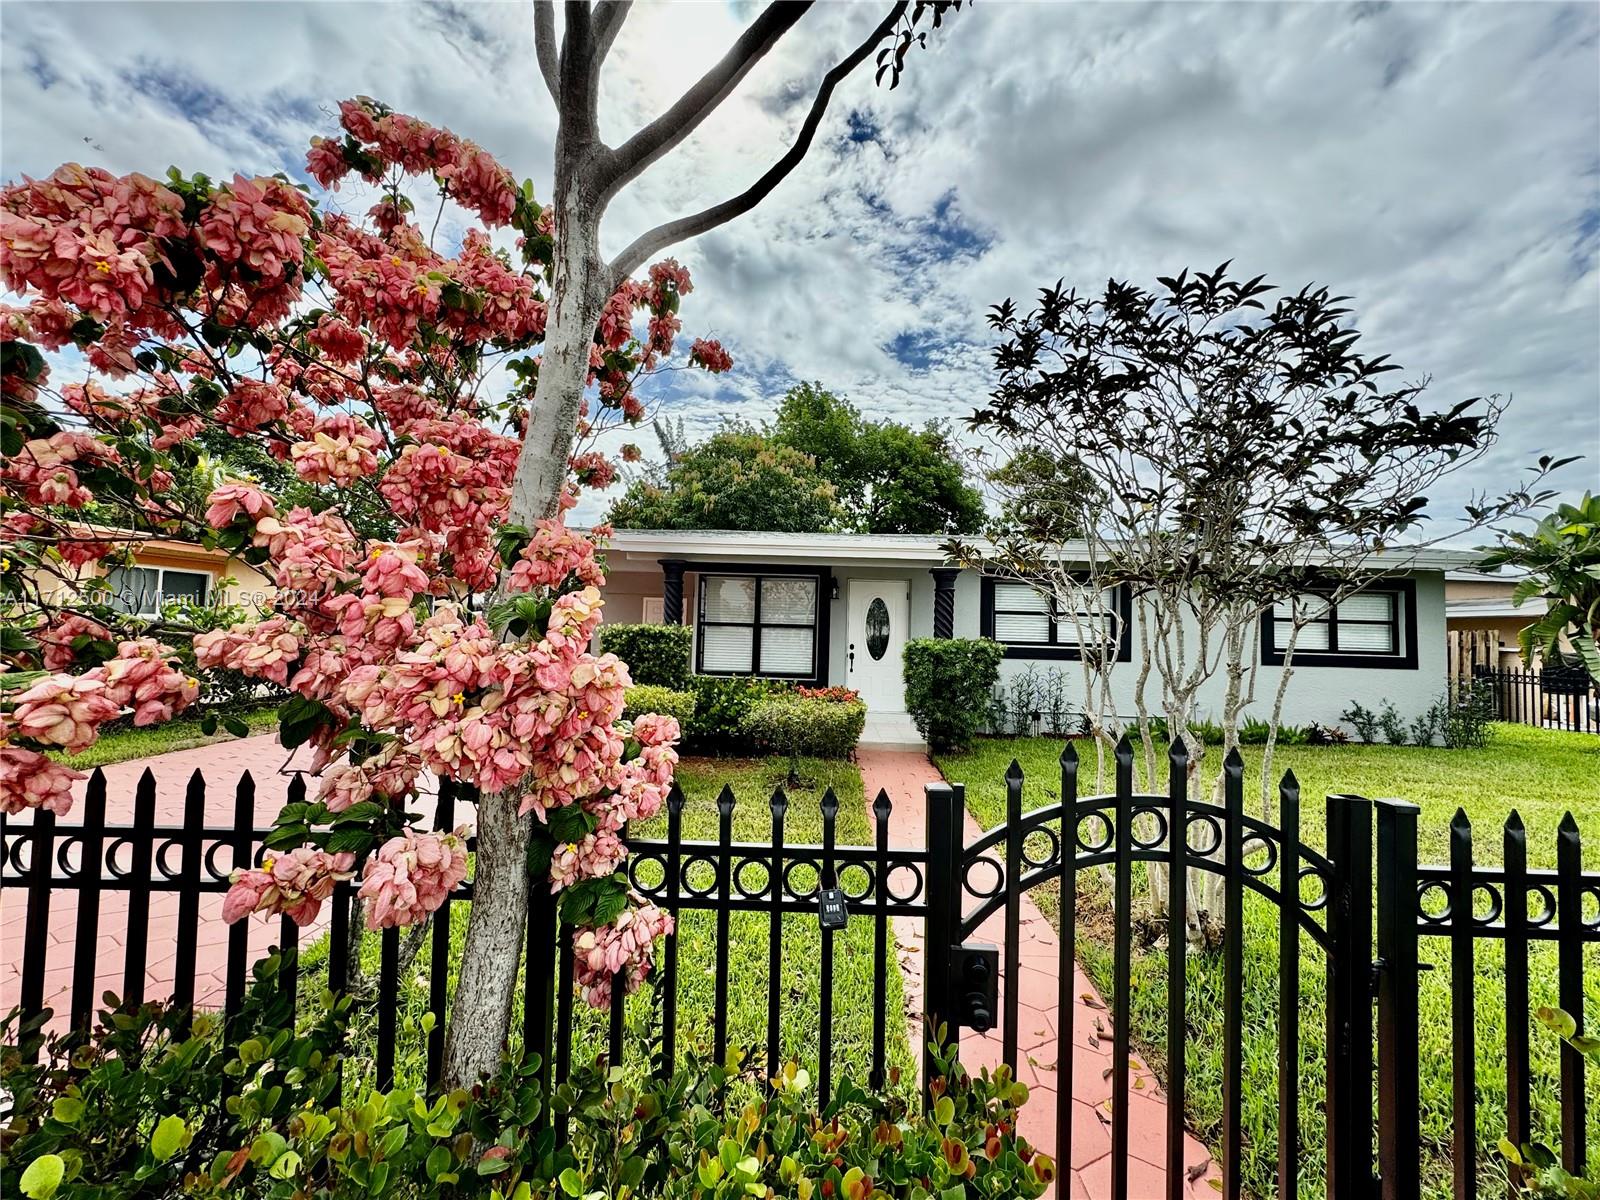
1233 977
444 816
1122 971
1288 988
1569 992
194 819
1518 1014
1011 1030
669 951
725 803
1177 962
36 926
1463 1012
1399 1084
775 877
882 807
244 830
86 944
141 854
1067 958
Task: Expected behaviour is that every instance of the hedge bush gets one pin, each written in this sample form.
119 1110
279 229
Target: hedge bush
657 655
644 698
949 682
721 705
809 727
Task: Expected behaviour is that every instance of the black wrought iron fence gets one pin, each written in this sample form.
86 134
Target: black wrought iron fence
1553 698
1365 904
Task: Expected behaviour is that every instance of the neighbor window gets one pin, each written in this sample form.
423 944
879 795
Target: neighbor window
1032 623
1375 627
143 590
758 625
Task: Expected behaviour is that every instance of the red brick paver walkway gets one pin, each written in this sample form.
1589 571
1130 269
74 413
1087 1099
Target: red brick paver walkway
903 773
223 763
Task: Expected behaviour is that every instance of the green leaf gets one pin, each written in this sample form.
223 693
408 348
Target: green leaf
571 1182
68 1110
43 1177
944 1111
171 1135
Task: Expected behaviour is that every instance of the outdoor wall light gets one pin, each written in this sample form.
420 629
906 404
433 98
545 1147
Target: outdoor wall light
833 588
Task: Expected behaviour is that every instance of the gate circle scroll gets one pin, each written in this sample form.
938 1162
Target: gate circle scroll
993 864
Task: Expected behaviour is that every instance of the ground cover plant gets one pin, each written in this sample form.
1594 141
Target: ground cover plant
1540 773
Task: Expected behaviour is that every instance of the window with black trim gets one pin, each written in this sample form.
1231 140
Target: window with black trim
757 625
1375 627
1031 623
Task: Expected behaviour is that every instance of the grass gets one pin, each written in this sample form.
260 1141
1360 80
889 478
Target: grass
853 990
120 745
1540 773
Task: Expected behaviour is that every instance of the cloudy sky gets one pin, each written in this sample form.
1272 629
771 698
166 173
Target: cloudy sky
1438 163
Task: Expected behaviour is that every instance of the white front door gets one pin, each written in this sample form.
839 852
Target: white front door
879 610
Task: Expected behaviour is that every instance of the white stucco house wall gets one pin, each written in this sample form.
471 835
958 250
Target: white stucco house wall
837 609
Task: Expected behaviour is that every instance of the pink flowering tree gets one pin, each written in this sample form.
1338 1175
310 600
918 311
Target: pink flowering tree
374 362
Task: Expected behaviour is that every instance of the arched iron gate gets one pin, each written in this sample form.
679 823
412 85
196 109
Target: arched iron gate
1327 896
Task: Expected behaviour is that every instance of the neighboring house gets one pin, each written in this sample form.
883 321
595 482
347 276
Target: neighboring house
1476 602
167 570
837 609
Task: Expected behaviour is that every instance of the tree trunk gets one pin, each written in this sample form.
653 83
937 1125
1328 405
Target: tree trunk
481 1019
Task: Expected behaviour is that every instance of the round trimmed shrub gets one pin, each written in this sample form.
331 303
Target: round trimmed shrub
644 698
806 727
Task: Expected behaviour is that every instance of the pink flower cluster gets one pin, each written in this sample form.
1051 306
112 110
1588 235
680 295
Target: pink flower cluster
412 875
30 780
144 677
625 948
707 353
553 554
56 639
263 650
294 883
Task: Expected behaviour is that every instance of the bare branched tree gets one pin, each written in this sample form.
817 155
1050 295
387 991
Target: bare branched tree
589 175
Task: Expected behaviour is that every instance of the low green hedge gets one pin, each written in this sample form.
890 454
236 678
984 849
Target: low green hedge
657 655
949 682
644 698
806 727
721 705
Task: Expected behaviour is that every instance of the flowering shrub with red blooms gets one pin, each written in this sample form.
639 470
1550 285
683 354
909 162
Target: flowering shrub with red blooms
373 363
837 695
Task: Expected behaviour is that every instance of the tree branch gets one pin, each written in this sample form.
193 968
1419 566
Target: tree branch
544 44
700 101
664 235
606 27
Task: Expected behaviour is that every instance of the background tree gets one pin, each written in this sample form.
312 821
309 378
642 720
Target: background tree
735 479
890 478
1240 456
1562 558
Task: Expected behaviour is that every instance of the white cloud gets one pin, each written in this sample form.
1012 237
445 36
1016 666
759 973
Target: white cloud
1439 164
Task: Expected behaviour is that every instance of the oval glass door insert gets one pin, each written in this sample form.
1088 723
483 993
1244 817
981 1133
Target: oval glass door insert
877 628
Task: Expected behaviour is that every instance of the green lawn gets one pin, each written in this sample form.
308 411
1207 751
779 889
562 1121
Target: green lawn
120 745
1540 773
851 990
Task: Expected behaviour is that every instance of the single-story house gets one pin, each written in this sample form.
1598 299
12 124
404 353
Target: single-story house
837 609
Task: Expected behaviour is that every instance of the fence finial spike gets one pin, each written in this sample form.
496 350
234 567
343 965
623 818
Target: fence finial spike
675 797
1069 754
1234 761
1460 820
1014 772
1178 751
1514 822
830 804
881 805
1568 826
780 802
725 799
1289 780
1124 745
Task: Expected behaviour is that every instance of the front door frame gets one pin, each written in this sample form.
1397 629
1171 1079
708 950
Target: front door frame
899 631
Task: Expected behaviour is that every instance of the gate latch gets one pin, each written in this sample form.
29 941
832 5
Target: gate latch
831 909
975 984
